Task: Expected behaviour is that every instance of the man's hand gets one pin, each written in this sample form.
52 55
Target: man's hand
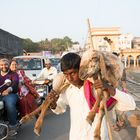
5 92
54 97
98 84
104 86
109 88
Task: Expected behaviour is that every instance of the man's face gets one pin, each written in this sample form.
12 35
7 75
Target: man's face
4 66
48 65
72 75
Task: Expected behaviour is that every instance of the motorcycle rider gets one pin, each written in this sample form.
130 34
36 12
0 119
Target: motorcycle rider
49 72
9 94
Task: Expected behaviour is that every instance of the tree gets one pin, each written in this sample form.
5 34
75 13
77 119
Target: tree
30 46
58 45
68 42
54 45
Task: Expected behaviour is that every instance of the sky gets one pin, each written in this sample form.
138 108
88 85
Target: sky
41 19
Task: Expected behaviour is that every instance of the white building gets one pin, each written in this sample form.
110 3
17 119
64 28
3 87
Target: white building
104 38
125 41
136 42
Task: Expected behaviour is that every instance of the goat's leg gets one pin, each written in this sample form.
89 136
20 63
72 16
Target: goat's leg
106 96
30 116
92 113
99 122
38 124
45 106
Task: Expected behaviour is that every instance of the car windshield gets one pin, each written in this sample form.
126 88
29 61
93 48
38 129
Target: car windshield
55 61
29 63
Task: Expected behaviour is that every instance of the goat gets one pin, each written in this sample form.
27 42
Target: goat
108 68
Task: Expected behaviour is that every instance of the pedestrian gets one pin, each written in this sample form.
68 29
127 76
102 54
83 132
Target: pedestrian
120 116
74 97
122 82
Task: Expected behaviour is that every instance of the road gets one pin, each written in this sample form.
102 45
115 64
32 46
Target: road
55 127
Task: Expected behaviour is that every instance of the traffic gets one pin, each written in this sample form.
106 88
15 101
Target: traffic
34 76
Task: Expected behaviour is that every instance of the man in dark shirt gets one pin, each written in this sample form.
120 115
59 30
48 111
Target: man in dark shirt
9 93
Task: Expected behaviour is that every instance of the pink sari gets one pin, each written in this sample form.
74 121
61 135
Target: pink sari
27 102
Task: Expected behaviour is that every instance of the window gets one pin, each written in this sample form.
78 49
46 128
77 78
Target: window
29 63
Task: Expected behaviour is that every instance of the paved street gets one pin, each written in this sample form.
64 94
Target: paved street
55 127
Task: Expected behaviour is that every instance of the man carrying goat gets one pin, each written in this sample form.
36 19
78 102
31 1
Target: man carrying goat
80 96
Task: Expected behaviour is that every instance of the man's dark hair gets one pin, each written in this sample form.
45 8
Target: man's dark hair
70 61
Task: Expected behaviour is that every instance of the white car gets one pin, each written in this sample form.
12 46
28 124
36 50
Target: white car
32 65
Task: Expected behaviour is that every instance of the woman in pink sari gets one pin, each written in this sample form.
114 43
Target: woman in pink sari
26 92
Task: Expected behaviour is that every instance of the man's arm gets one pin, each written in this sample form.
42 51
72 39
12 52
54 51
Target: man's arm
125 101
61 104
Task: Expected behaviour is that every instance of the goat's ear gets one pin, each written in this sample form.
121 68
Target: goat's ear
102 66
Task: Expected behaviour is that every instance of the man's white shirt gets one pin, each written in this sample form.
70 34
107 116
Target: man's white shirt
48 73
80 129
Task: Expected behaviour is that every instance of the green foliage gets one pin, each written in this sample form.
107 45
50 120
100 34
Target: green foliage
30 46
55 45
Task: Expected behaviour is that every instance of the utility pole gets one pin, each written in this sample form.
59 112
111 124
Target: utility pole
90 35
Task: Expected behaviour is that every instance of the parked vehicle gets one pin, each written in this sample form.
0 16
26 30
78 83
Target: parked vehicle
32 65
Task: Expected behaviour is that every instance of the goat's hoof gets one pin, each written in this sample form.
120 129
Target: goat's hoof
97 138
24 119
89 120
37 132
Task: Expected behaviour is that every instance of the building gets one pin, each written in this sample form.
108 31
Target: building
136 42
10 45
105 39
125 41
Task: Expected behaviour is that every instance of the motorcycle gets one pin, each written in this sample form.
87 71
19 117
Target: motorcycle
3 131
43 87
3 126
